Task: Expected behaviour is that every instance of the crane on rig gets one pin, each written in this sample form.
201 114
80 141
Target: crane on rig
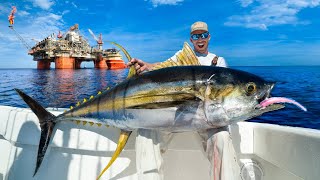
99 40
21 39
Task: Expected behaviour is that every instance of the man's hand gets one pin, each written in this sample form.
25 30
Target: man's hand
140 65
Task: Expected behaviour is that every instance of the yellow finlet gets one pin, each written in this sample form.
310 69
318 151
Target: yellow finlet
107 125
98 124
71 107
84 100
84 122
108 88
78 104
91 97
78 122
124 136
91 123
186 57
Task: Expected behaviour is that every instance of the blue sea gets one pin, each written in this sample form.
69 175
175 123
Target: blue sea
64 88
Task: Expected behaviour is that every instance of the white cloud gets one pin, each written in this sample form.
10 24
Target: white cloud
263 13
23 13
44 4
156 3
5 9
49 18
74 5
65 12
245 3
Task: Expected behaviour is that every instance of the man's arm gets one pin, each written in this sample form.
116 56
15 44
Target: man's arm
140 65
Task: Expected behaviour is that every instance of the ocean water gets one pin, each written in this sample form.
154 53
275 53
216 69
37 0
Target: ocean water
64 88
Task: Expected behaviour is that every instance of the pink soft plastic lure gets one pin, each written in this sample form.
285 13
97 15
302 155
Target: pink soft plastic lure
274 100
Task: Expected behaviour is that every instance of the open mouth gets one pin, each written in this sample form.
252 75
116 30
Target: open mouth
265 95
200 45
266 101
276 100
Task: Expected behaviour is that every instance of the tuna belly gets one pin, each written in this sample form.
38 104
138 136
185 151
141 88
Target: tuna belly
167 119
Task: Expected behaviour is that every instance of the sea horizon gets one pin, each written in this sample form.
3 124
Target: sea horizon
127 68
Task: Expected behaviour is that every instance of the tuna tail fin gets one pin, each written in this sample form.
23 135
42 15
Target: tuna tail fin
46 120
124 136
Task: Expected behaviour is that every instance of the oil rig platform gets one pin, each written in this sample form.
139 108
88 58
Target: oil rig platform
69 50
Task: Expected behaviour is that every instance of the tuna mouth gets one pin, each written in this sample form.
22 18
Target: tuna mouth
261 108
265 102
272 103
265 95
276 100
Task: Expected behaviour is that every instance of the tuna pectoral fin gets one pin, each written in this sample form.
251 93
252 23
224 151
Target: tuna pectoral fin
46 120
124 136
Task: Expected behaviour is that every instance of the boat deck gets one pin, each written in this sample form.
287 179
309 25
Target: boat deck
264 151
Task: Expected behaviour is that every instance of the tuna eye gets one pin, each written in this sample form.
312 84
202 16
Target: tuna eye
251 88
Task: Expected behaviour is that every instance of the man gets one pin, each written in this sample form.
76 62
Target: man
199 37
150 144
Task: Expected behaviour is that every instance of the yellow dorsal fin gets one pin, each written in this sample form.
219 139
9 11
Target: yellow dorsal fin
186 57
124 136
132 70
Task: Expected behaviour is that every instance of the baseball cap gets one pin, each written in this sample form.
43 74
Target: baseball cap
199 25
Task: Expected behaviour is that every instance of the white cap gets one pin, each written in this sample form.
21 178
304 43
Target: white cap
199 25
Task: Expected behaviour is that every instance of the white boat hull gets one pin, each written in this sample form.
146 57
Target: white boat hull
81 152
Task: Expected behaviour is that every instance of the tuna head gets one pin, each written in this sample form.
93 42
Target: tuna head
232 95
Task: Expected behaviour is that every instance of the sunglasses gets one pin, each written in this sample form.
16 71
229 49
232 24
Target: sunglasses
197 36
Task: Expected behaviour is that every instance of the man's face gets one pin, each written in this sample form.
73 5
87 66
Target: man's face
200 45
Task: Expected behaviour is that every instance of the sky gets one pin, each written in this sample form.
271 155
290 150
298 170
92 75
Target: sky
244 32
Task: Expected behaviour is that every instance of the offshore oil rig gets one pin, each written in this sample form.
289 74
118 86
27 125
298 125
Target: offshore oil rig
69 50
